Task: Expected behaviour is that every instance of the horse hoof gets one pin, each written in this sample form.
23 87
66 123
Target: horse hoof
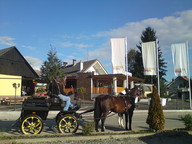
97 130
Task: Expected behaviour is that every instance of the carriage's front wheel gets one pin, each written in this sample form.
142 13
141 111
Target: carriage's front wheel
67 124
31 124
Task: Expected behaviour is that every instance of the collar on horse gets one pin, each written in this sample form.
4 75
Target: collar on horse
127 106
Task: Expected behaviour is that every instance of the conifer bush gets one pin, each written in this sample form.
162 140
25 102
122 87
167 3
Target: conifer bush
155 119
187 119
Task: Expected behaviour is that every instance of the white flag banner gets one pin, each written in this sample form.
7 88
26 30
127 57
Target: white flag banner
118 55
149 58
179 53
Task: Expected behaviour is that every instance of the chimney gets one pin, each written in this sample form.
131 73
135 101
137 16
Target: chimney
65 64
74 62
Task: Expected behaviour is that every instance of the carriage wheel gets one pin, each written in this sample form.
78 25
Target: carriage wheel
58 117
31 124
67 124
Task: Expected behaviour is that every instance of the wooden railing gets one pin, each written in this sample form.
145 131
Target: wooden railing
69 90
101 90
96 90
106 90
120 89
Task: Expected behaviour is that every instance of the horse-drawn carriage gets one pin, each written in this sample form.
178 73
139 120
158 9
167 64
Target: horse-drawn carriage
36 109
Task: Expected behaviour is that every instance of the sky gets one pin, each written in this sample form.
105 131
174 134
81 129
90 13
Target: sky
81 29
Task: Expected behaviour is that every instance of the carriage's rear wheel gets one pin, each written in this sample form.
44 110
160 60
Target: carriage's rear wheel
67 124
31 124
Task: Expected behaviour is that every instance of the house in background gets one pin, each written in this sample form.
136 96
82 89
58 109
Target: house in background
89 79
79 73
74 70
84 67
16 74
179 88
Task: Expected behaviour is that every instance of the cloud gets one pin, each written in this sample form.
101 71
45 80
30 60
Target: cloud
29 47
102 53
68 59
76 37
170 29
34 62
77 45
6 40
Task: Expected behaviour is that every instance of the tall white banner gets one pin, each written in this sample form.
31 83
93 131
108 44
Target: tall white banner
149 58
118 55
179 53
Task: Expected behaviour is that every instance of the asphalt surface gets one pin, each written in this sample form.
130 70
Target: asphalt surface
10 113
172 112
172 121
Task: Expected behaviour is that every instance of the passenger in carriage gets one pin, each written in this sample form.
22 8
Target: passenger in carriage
56 89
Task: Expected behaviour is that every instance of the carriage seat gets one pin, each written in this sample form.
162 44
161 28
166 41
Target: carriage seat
55 103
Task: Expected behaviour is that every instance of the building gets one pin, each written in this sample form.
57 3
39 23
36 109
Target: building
89 79
84 67
179 88
16 74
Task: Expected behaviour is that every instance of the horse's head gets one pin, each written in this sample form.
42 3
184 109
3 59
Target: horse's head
137 91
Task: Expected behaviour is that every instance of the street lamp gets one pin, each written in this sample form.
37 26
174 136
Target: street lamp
16 86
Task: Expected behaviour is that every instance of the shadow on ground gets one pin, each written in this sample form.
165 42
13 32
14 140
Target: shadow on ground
168 137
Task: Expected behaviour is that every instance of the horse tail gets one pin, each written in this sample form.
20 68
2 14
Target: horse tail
97 112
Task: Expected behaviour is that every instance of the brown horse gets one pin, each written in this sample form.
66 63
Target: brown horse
136 92
104 104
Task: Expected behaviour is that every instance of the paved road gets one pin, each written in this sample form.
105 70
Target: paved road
139 121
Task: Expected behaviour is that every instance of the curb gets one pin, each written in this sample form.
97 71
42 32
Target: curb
144 111
13 115
75 138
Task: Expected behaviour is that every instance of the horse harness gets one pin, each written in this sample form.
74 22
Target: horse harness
127 106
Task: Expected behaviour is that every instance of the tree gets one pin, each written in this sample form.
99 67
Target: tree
148 35
51 67
155 119
131 60
163 88
136 65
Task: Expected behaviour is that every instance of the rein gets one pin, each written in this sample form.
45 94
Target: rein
107 115
91 110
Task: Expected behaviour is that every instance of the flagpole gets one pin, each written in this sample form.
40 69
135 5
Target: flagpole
157 59
126 64
189 74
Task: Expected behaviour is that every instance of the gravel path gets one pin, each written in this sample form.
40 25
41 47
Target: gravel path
167 137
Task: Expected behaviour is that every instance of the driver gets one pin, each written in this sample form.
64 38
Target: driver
56 89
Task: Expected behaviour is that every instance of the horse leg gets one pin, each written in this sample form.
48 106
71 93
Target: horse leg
96 124
103 121
120 120
126 120
130 118
97 113
97 118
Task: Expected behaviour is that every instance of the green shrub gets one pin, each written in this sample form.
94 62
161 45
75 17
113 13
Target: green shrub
40 90
187 119
155 119
88 128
